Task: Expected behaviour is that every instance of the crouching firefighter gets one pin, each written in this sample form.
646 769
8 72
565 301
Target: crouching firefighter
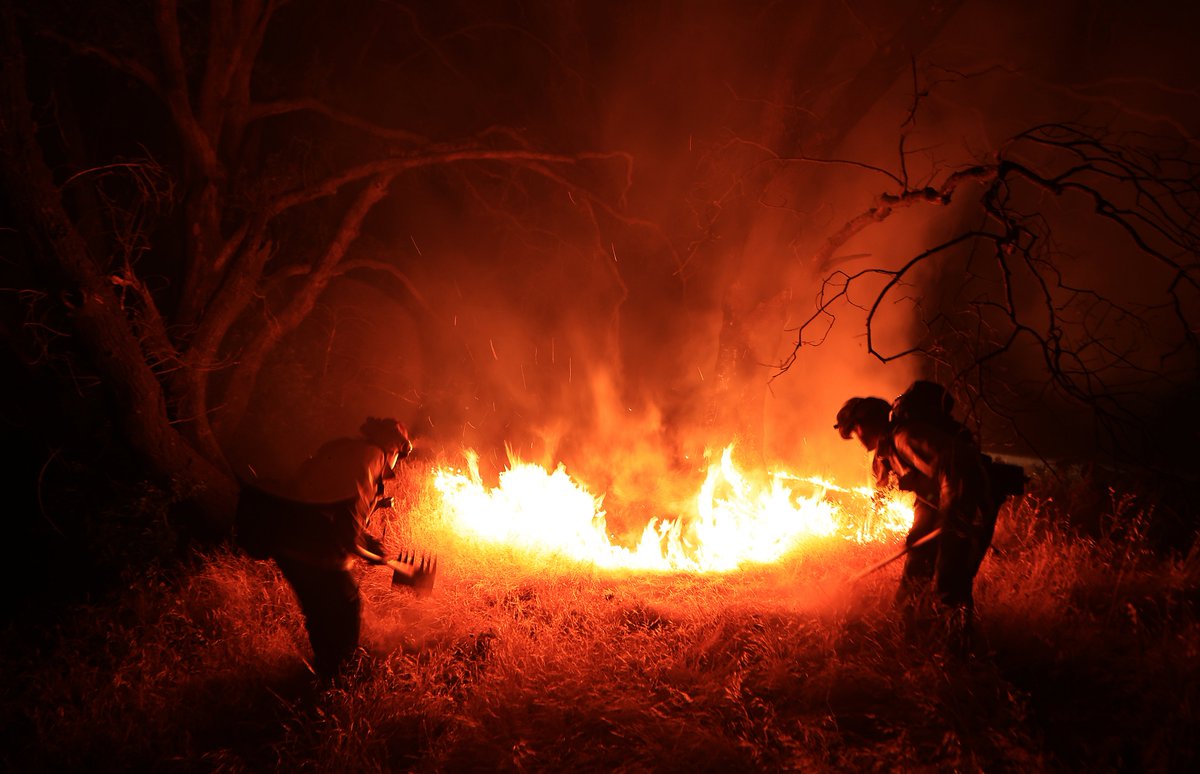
919 446
316 524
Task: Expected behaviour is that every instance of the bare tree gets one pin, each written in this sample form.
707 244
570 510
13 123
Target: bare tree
1057 213
260 234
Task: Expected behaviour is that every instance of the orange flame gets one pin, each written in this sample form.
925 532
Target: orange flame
736 519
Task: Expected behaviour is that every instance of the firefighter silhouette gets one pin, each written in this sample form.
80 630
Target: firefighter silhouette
317 523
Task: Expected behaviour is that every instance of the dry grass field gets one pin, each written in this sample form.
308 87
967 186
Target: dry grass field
1087 660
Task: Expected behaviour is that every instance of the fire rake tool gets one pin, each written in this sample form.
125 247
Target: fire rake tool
408 569
856 578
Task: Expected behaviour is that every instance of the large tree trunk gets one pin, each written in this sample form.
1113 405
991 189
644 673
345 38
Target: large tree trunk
101 327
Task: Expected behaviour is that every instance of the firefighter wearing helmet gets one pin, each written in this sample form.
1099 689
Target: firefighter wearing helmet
312 527
918 446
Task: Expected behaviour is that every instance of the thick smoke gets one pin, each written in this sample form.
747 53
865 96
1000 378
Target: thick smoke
538 322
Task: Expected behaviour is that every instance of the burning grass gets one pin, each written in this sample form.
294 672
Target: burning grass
541 662
733 519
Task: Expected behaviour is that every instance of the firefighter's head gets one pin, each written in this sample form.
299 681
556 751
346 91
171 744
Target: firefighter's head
389 435
923 400
866 418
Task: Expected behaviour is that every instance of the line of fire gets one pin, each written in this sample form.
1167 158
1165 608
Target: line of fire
730 520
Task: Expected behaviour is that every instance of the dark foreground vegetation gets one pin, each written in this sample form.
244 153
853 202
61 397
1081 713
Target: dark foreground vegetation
1088 659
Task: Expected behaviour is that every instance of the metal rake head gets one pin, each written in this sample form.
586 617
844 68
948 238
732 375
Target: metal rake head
423 575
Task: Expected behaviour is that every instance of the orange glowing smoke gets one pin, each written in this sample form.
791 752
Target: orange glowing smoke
735 519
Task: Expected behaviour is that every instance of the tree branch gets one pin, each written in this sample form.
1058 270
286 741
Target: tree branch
428 157
124 64
199 145
262 110
299 302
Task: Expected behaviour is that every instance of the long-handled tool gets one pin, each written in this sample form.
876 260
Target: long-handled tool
856 578
408 569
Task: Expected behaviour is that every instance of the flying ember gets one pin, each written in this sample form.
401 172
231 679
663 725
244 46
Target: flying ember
734 519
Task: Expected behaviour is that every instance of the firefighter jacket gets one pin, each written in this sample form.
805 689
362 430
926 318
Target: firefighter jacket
329 503
343 469
943 465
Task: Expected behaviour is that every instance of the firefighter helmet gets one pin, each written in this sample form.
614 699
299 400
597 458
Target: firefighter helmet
858 412
387 434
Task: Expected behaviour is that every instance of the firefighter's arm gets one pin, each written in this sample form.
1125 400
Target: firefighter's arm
959 479
920 450
370 548
932 454
882 471
379 474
